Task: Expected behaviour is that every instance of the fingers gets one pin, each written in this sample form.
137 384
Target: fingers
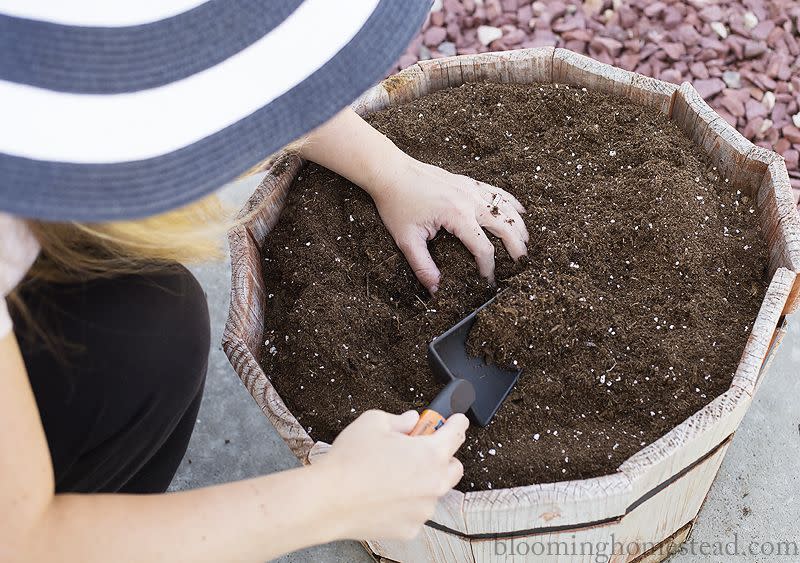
500 227
514 202
518 207
472 236
414 247
518 224
455 471
403 423
451 435
505 210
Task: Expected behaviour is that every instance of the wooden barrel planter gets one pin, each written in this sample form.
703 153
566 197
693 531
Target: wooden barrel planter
647 507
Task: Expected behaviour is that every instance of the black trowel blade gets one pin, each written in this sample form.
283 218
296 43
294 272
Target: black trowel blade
449 360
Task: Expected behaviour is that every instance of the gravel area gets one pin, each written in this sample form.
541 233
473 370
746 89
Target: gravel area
743 57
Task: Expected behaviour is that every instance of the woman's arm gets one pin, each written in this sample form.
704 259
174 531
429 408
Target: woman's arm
375 482
415 199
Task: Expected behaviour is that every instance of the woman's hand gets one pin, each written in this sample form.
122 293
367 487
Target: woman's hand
385 483
415 200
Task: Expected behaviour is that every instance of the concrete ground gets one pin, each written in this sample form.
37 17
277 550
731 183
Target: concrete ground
756 496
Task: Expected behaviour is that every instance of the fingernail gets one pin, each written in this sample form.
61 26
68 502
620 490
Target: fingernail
434 289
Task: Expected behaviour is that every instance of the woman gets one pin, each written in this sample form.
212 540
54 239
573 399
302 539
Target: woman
111 120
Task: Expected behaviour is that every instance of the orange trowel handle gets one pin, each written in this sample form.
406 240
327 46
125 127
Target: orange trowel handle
428 423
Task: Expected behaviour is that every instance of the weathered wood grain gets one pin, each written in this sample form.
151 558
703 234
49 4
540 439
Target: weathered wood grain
779 221
408 84
687 442
579 70
748 373
544 505
374 99
741 162
636 531
243 335
525 66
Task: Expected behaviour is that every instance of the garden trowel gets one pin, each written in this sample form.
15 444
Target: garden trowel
449 360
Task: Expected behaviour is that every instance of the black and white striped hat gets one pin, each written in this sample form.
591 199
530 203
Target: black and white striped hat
114 110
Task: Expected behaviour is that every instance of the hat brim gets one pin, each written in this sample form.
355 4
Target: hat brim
58 189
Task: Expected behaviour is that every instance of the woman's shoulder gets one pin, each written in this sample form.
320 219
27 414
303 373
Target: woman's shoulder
18 250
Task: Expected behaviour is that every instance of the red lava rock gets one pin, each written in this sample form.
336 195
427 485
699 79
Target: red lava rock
627 17
710 87
580 34
454 7
493 8
698 70
737 25
792 133
754 49
524 14
509 5
653 9
780 115
754 109
791 43
769 133
711 13
515 37
567 24
732 103
647 50
592 7
753 126
645 68
575 45
628 61
716 45
791 157
674 50
782 145
762 30
434 35
757 7
607 44
672 75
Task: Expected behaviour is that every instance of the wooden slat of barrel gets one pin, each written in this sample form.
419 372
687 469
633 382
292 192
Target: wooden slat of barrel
645 527
579 70
749 371
780 224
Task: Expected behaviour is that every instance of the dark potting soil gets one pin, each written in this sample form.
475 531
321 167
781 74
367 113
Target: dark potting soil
645 272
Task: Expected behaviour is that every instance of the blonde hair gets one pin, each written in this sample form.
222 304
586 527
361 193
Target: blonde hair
74 251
